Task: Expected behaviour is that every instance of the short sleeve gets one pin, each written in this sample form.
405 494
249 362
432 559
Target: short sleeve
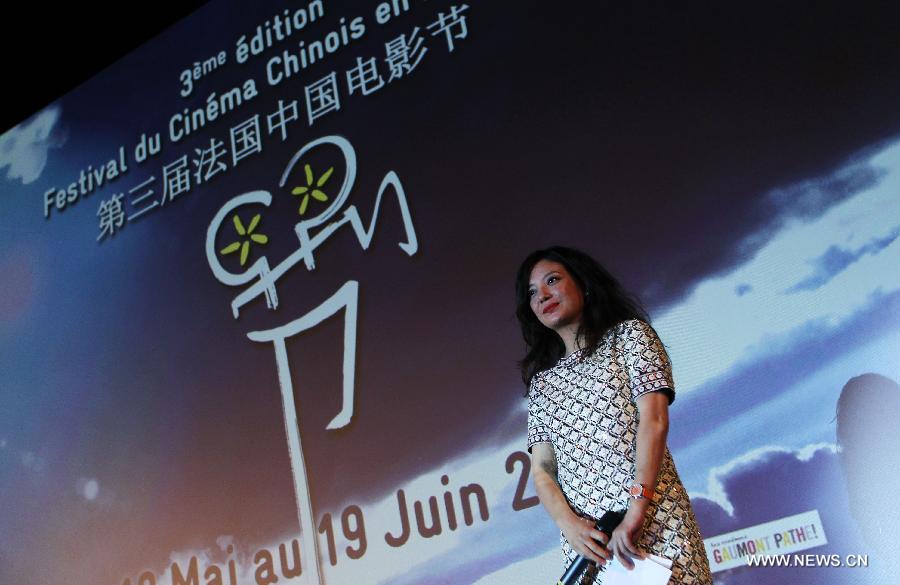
646 360
538 429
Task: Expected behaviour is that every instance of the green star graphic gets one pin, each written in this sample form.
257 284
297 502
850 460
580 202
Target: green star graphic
309 190
244 245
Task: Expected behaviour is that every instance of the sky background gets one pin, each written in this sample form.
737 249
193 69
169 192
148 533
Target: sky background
737 168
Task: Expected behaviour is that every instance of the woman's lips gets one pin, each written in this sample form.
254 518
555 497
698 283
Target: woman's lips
549 308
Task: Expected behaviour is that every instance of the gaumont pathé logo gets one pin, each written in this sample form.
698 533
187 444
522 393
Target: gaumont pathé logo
783 536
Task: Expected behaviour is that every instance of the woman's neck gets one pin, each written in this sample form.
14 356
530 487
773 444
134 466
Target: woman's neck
572 341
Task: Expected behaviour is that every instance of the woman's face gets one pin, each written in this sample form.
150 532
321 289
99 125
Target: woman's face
554 296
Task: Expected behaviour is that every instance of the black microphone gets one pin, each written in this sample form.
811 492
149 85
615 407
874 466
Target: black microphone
606 524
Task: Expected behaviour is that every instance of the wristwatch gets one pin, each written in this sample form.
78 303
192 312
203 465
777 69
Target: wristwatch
639 492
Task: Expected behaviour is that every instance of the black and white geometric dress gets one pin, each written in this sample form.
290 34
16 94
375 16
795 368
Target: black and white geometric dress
586 407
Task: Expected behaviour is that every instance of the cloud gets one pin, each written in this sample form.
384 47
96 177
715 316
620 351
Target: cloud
749 213
724 478
24 148
750 401
794 280
811 198
836 259
765 484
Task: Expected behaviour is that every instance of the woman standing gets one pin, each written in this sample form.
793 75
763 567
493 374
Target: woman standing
599 386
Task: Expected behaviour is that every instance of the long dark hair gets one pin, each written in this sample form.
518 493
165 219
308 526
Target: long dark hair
606 304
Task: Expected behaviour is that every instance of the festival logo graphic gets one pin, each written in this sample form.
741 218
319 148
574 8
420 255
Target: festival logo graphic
310 234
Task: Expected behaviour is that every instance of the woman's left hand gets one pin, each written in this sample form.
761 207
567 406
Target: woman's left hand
622 542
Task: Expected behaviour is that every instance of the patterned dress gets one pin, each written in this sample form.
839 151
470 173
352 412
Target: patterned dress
585 406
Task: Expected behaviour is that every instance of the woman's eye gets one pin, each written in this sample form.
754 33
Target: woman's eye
552 279
531 293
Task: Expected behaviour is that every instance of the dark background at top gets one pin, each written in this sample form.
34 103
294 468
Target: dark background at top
72 43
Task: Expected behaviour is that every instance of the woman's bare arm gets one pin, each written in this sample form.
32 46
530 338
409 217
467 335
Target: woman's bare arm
581 533
650 446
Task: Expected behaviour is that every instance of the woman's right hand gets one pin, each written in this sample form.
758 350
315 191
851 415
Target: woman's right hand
581 533
585 539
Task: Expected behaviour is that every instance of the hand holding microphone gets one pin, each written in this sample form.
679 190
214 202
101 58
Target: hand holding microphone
605 525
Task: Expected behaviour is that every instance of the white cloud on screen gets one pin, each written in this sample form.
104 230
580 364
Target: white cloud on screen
23 149
808 404
757 310
715 490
